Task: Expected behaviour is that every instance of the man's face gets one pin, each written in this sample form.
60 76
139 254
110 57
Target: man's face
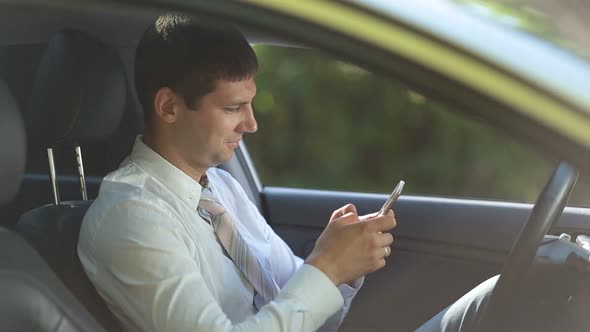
208 136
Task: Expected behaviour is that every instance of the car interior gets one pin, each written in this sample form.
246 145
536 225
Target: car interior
69 115
33 297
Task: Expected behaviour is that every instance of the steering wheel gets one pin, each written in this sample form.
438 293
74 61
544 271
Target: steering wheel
546 212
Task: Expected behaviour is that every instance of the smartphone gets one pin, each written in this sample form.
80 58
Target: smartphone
392 198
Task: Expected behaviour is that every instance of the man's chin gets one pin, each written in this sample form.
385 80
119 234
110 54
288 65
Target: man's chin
222 159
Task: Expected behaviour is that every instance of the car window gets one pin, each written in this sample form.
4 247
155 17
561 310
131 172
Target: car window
326 124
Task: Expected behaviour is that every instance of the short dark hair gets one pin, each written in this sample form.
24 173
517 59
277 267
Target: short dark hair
189 58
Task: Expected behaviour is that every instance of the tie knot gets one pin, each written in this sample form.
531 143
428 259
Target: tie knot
204 181
209 204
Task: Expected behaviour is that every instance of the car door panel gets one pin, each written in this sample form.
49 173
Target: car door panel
443 247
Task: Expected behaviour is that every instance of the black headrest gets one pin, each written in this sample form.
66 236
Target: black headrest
12 145
79 91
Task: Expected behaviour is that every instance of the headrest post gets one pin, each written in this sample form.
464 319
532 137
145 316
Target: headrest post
56 200
81 172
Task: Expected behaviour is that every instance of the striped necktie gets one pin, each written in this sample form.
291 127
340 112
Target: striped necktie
238 249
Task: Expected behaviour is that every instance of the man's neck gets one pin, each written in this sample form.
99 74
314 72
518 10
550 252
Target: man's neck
173 157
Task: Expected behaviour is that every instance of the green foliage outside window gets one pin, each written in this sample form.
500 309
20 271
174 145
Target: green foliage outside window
325 124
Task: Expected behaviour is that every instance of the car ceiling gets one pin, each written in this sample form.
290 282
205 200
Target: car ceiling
34 24
24 24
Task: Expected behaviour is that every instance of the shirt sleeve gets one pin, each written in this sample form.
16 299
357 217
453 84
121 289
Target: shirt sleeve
144 266
284 263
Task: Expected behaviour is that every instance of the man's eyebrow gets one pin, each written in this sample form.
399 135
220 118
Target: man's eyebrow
240 103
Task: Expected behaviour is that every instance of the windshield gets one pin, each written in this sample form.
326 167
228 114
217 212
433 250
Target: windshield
560 22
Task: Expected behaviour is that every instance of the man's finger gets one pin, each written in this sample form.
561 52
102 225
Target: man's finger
384 239
390 213
348 218
343 210
382 223
369 216
348 208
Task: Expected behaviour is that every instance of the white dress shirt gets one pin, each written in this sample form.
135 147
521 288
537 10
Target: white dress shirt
159 267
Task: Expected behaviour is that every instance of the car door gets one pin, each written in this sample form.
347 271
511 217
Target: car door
469 186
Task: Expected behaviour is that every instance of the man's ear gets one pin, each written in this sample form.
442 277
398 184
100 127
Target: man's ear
165 102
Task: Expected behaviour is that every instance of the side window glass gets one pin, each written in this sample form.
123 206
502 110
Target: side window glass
326 124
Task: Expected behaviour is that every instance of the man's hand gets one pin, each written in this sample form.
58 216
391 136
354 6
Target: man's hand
351 247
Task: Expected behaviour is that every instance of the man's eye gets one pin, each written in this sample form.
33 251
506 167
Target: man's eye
232 109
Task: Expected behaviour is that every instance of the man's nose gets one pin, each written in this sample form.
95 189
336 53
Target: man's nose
249 124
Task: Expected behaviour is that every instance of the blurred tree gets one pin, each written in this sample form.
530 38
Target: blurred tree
564 23
326 124
570 19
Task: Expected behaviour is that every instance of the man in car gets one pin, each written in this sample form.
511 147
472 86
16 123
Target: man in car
173 243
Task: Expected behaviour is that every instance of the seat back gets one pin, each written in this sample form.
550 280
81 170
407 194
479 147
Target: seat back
53 231
79 94
12 146
33 298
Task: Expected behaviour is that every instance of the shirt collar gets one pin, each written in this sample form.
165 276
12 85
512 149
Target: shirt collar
178 182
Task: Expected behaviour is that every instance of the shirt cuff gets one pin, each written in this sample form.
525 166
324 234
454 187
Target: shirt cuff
350 290
313 288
